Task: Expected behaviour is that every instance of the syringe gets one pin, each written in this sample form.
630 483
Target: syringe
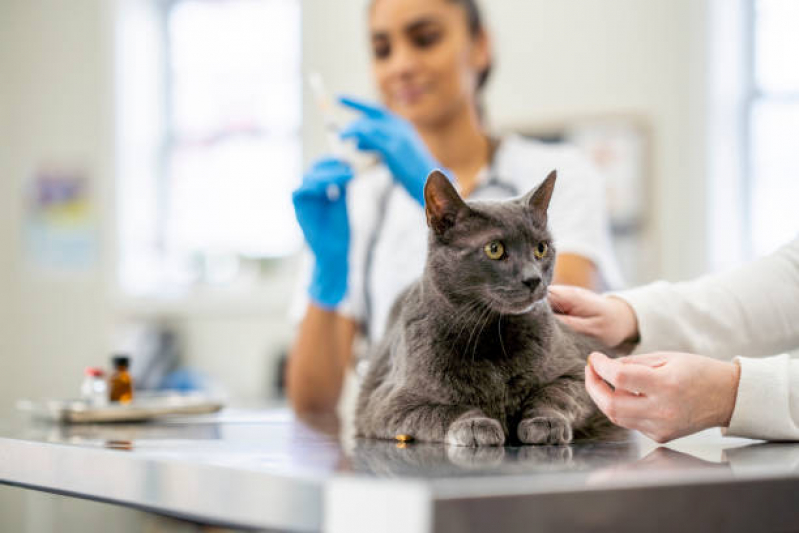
357 160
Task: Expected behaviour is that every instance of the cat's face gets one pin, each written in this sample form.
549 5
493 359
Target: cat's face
497 255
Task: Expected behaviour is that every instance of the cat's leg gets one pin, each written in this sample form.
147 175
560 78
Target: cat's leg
552 412
433 422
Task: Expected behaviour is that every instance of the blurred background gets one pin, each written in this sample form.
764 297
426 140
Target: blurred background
148 149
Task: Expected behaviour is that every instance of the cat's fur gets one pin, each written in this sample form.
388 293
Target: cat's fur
473 354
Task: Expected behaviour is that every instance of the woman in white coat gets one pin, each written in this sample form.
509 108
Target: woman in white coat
430 59
699 351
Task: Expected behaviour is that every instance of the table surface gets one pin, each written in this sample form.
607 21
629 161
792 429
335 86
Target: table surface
267 469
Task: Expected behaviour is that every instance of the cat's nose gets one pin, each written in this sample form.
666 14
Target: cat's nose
532 282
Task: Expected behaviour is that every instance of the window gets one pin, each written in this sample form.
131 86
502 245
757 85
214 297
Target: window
210 149
773 128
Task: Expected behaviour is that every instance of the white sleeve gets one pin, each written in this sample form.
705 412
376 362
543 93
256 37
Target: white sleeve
767 403
749 311
579 216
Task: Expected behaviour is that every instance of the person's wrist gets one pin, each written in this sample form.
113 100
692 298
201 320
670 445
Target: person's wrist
328 283
627 322
731 377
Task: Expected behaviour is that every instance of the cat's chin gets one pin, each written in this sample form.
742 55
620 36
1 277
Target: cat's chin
523 309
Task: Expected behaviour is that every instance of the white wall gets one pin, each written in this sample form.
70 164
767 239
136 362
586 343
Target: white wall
54 107
559 60
58 95
6 186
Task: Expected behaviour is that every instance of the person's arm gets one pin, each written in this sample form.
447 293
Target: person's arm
767 399
749 311
319 360
321 353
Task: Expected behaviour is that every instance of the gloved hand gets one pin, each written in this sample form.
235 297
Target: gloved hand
397 142
320 204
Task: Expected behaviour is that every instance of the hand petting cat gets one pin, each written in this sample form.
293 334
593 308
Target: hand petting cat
664 395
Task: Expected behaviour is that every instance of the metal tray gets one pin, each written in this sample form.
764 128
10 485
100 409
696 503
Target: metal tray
143 407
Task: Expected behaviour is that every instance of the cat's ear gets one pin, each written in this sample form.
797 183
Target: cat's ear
442 204
537 201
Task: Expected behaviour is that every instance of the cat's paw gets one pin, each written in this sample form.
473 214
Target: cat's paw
545 430
477 431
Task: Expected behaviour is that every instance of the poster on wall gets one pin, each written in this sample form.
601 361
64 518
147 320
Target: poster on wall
60 234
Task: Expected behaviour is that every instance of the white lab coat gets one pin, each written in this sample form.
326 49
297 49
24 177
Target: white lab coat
745 314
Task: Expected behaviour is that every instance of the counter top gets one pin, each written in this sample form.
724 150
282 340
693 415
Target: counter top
268 469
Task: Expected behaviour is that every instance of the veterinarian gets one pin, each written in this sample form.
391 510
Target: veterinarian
667 389
431 60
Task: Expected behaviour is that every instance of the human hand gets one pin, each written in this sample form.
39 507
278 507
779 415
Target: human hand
395 139
606 318
663 395
321 209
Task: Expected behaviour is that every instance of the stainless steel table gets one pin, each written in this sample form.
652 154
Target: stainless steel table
266 469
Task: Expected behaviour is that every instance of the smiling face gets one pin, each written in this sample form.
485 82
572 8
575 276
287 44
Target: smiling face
499 254
426 59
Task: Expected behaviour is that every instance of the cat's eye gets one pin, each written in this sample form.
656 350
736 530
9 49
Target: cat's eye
494 250
541 250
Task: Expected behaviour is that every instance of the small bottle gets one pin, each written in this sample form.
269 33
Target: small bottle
94 390
120 384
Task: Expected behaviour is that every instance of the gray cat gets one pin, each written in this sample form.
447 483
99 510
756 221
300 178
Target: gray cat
473 355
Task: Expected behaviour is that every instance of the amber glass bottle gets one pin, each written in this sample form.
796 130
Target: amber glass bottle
120 384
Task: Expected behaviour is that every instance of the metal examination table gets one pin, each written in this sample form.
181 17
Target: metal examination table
265 469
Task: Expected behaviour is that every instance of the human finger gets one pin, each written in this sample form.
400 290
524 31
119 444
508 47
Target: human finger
327 185
578 324
328 169
652 360
367 108
566 300
632 378
368 136
618 404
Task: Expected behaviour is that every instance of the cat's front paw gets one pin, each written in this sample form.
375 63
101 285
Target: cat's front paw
545 430
478 431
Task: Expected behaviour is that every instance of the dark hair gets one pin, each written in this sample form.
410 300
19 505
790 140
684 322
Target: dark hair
476 26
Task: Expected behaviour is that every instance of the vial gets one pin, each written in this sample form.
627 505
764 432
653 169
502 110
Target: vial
120 384
94 390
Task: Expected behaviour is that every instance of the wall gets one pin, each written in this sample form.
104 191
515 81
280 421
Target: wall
58 95
55 99
6 186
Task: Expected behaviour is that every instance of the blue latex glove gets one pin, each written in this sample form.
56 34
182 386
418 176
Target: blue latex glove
321 208
397 142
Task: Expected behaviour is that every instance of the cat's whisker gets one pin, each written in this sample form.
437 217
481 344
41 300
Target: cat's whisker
472 321
499 331
471 332
486 320
459 318
482 320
